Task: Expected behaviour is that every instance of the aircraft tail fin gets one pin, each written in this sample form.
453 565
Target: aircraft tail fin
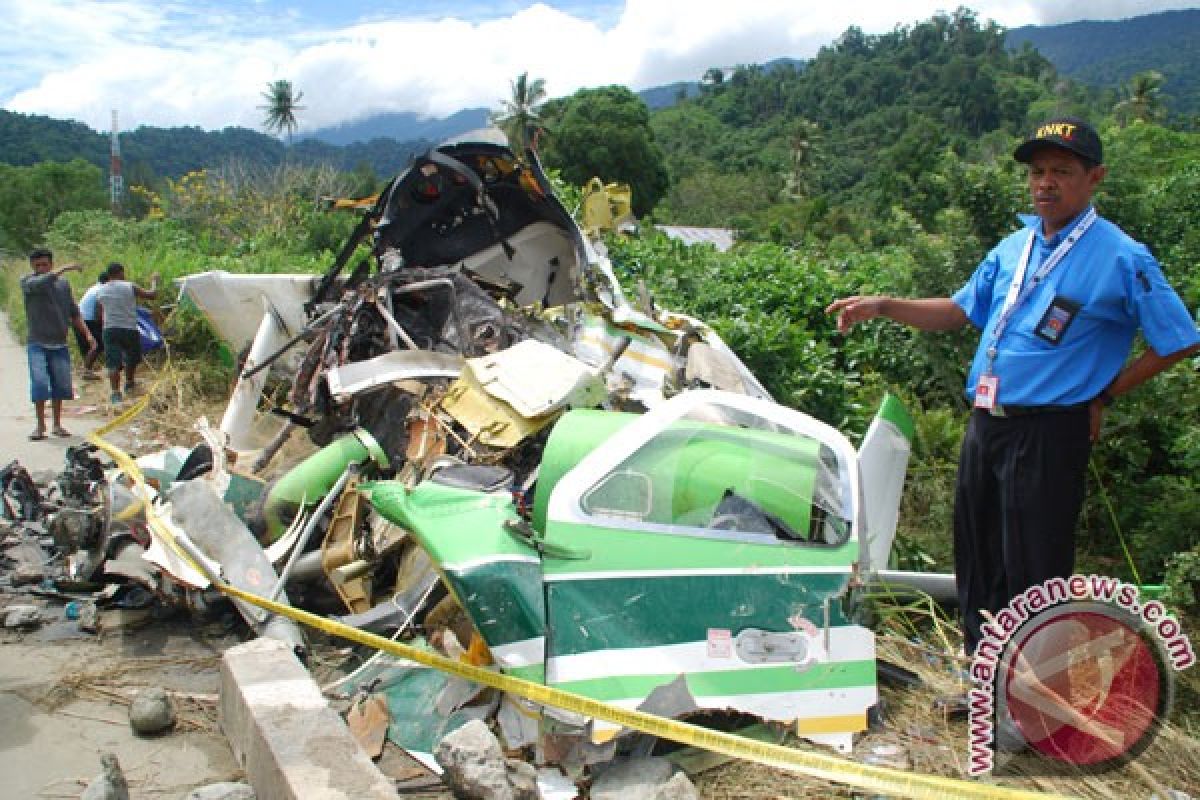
883 461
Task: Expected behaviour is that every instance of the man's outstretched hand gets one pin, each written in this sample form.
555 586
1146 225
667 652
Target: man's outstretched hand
853 310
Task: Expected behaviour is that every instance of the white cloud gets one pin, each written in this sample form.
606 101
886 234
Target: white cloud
191 64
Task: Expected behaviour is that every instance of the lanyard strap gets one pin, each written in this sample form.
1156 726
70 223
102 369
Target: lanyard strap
1019 291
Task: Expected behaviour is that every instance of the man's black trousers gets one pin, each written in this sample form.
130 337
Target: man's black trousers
1021 482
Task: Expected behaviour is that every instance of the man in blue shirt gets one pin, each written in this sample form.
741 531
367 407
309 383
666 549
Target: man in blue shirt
1058 304
87 309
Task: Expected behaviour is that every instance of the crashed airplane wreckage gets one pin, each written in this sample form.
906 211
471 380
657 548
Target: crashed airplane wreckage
604 493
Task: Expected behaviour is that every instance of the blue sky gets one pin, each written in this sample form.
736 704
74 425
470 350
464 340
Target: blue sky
206 63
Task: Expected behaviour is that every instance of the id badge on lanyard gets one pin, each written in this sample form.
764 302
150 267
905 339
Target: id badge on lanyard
986 391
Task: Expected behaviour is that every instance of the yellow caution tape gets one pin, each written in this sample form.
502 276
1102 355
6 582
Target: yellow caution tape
125 416
825 767
867 777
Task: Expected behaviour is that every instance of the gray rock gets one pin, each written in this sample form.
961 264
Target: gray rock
28 573
523 778
642 779
474 764
680 787
151 712
21 616
110 784
89 617
222 791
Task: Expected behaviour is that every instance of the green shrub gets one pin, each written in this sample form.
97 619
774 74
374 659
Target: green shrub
1182 578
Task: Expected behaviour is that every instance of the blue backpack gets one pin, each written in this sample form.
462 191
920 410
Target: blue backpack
151 336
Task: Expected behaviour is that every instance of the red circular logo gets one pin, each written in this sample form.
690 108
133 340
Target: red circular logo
1085 685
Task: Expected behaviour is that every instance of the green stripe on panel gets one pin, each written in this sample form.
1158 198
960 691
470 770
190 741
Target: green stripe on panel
533 672
766 680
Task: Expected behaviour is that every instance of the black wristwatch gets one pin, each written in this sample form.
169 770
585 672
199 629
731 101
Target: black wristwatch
1106 399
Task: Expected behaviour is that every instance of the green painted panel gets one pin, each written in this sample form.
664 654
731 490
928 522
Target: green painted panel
416 724
412 693
243 491
575 435
459 527
766 680
614 549
591 615
893 410
503 598
453 525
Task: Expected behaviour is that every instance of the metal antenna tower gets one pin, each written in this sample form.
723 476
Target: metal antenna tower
116 185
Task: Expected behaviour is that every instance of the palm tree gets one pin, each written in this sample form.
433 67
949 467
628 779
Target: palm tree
804 137
1143 97
283 101
518 117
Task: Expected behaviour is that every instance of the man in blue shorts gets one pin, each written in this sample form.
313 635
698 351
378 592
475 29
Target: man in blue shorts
1058 303
49 311
116 305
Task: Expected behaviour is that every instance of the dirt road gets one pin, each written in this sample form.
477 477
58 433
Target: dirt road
64 694
16 412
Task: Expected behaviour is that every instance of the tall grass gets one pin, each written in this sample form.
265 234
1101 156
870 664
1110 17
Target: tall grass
234 219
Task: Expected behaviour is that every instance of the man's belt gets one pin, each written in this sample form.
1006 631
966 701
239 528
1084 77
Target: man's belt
1007 410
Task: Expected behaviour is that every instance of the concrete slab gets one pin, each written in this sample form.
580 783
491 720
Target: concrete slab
290 743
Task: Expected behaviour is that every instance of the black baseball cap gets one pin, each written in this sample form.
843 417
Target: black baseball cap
1069 133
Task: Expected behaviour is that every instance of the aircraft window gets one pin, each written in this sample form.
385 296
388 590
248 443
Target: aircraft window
624 494
723 470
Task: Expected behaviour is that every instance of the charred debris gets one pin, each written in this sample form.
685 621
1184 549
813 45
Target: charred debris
516 465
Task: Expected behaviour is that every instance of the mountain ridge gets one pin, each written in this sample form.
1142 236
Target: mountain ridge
1107 53
1103 54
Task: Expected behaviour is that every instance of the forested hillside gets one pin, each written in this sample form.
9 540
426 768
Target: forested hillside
1110 53
864 126
156 153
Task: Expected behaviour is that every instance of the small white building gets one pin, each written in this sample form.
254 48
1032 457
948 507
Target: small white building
720 238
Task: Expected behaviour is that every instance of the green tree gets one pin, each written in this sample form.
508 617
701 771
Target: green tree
519 115
283 101
803 139
31 198
606 133
1143 98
